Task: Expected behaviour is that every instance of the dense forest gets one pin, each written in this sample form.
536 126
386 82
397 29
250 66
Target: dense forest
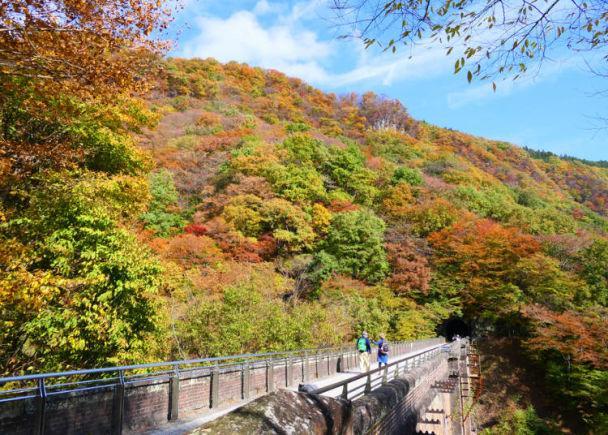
236 209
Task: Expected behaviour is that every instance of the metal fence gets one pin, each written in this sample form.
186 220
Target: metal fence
357 386
143 396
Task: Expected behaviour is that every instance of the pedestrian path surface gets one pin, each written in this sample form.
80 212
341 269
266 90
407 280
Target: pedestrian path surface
357 387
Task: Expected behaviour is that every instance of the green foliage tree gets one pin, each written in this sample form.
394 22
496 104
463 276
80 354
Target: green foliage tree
163 215
288 224
391 145
346 167
491 203
302 149
354 246
79 291
245 320
520 422
594 264
297 183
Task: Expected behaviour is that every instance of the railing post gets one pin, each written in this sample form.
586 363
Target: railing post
385 375
269 376
368 384
118 405
340 363
305 368
246 381
317 364
214 388
396 375
174 394
344 394
40 407
288 371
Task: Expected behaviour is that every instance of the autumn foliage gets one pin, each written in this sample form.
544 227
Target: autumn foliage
238 205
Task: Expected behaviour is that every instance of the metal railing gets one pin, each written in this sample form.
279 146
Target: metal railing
185 386
385 374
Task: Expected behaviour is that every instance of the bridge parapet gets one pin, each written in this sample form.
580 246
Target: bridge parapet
141 397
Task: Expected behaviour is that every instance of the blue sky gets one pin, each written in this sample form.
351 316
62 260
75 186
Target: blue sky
554 109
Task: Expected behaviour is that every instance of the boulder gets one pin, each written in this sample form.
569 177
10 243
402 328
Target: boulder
285 412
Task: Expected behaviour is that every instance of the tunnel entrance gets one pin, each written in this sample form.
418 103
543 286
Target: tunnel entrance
454 326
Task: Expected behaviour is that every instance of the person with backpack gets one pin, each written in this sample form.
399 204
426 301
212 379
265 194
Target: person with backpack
364 348
383 351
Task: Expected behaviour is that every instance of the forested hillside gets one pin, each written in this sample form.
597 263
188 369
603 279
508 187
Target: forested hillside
236 209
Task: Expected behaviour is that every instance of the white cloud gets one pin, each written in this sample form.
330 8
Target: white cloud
241 37
390 68
291 48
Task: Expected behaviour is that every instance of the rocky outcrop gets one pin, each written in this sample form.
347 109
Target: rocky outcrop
285 412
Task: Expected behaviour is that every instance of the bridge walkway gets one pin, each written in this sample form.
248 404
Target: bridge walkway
356 388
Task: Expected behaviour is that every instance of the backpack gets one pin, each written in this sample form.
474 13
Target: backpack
385 347
361 344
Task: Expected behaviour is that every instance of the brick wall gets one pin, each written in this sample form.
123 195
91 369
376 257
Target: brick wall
73 413
145 405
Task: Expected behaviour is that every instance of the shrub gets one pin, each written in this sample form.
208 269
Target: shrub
181 103
246 319
297 127
491 203
431 215
391 145
403 174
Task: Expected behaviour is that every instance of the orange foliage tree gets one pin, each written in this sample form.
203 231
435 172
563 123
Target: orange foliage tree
91 48
483 255
579 337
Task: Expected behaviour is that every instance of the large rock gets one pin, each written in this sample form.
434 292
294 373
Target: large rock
285 412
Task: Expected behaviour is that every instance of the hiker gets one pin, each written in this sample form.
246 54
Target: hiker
365 349
382 351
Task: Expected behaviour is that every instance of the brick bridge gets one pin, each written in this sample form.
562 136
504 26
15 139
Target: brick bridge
422 390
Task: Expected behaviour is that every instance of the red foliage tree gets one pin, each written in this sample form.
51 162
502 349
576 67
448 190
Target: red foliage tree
411 271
